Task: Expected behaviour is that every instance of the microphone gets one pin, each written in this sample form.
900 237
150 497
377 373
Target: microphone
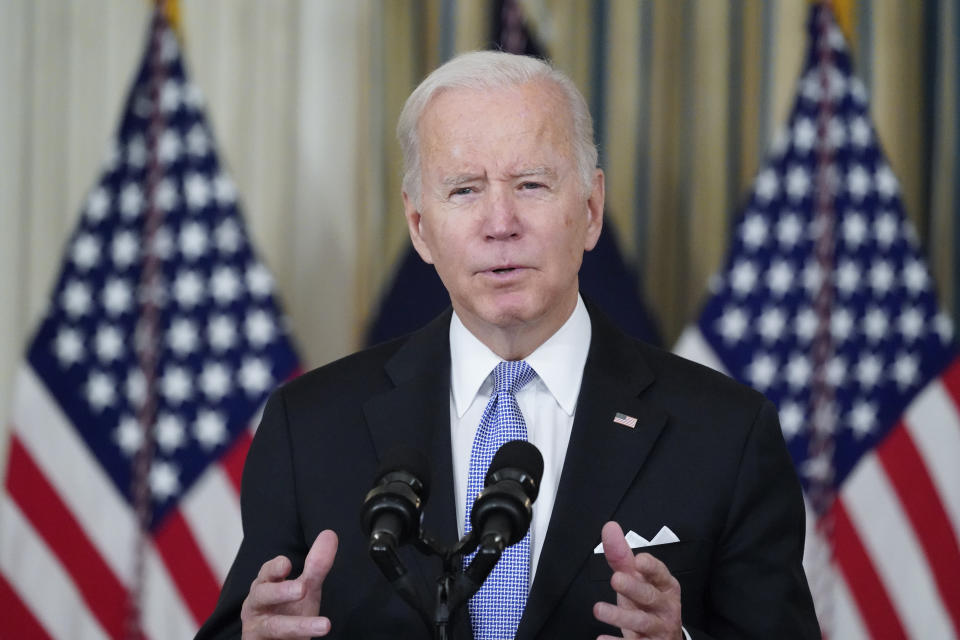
391 510
502 512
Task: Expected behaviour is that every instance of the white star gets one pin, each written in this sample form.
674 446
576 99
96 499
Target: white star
812 278
136 387
881 277
193 240
754 231
86 251
791 419
859 92
810 87
259 281
169 47
188 289
100 390
860 131
169 147
125 249
887 185
162 245
854 229
136 152
225 285
176 385
806 324
875 324
885 228
210 429
804 134
780 277
109 343
772 323
915 277
732 324
170 96
836 83
862 418
767 185
743 277
818 468
221 332
255 376
117 296
847 277
905 370
224 190
128 435
260 328
166 195
836 133
163 480
762 371
858 182
198 143
835 38
98 203
68 346
215 381
798 371
943 325
911 324
228 236
798 182
170 432
76 298
182 336
197 190
836 371
841 324
789 230
869 369
131 201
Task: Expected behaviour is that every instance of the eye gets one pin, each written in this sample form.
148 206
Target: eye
462 191
531 185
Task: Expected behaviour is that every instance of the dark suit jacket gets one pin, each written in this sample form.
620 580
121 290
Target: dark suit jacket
706 459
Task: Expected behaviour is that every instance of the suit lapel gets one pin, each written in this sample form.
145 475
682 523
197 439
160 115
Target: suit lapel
601 462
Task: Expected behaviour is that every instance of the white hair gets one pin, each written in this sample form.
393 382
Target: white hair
483 70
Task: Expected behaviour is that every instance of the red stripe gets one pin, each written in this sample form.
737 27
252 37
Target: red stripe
931 526
232 461
187 565
876 610
18 622
41 505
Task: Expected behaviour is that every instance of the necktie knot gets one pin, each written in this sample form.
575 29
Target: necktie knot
512 375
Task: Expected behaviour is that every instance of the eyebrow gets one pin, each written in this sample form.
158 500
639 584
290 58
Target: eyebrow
536 171
457 180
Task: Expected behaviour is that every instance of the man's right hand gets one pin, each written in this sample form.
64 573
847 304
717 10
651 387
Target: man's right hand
281 608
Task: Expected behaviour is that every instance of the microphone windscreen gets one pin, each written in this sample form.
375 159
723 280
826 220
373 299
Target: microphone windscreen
409 460
518 454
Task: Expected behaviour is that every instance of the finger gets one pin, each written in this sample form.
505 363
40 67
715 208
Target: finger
655 572
295 627
636 589
267 594
626 619
615 548
274 570
319 559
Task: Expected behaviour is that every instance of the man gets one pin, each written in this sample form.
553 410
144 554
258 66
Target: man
502 195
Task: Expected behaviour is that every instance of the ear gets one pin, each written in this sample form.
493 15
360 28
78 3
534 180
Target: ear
595 210
414 226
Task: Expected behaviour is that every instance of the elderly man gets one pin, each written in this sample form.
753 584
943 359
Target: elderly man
502 195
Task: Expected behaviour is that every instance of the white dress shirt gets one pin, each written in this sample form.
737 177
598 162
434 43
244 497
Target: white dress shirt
547 403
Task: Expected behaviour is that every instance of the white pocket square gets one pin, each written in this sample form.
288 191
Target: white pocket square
637 541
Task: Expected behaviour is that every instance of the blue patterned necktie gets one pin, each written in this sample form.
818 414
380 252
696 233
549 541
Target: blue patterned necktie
495 610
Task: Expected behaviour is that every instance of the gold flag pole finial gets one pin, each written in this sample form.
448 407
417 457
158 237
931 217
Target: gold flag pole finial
844 12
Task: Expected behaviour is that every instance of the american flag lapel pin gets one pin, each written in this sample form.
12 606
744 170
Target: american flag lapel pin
625 420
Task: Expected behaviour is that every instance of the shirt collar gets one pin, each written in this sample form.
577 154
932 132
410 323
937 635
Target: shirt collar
558 362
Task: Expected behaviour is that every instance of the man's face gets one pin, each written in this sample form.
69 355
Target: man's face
503 215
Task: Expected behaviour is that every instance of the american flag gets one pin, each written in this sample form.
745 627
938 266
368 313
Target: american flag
826 305
132 413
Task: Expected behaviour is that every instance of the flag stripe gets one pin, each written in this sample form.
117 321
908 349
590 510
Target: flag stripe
187 566
40 581
212 511
18 622
232 461
846 622
885 532
910 480
165 614
48 515
859 572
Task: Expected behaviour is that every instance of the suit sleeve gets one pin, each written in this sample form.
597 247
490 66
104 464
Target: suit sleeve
758 588
271 525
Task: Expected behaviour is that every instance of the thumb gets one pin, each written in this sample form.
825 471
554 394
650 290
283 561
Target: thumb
615 548
319 560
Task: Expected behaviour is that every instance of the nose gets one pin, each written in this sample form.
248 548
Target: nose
501 218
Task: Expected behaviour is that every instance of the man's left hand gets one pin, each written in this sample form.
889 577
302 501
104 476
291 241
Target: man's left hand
648 596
